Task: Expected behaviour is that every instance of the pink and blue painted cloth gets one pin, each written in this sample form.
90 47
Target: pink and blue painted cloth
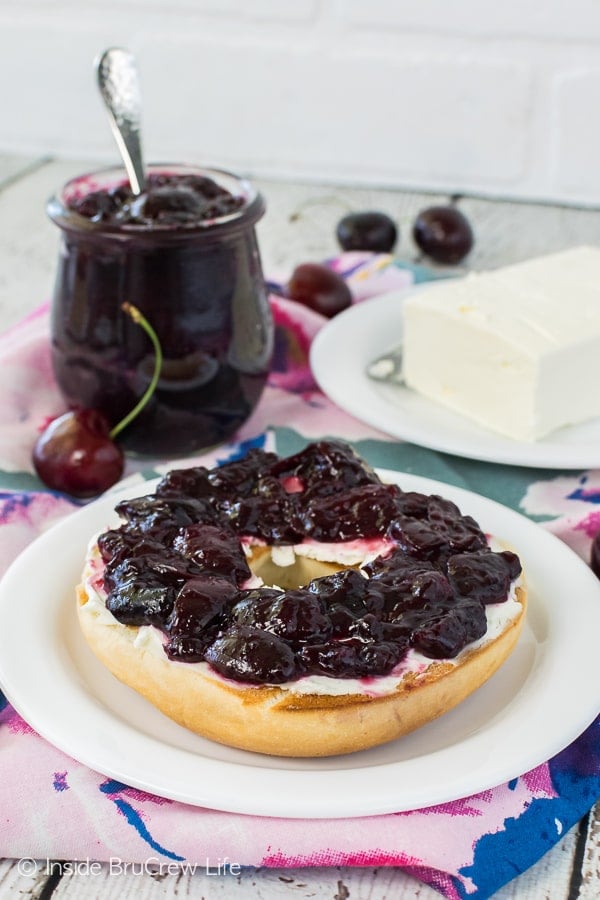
53 807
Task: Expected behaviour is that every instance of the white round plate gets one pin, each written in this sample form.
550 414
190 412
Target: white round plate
344 347
540 700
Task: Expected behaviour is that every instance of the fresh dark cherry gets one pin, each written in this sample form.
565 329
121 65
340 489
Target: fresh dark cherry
75 454
320 288
372 231
595 555
443 233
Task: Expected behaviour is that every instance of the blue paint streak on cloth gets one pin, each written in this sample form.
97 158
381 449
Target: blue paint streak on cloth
500 857
134 818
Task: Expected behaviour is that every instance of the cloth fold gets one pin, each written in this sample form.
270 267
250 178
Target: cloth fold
56 808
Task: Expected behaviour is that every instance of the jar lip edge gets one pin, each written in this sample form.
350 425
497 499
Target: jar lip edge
63 215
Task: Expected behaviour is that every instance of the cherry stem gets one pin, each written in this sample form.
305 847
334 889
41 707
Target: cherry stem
139 319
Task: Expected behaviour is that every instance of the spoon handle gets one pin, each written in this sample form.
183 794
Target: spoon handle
120 90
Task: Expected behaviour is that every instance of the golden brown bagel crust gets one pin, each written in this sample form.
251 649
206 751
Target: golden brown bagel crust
279 722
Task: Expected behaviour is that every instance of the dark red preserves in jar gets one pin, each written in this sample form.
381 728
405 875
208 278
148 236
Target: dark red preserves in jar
185 253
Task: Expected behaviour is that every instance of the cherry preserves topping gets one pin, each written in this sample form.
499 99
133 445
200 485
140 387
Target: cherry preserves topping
199 602
168 200
364 511
269 512
325 467
439 638
123 542
482 576
139 597
178 563
213 547
437 531
240 476
353 658
298 617
250 654
348 588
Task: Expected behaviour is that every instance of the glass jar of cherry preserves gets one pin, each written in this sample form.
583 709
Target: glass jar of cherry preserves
185 253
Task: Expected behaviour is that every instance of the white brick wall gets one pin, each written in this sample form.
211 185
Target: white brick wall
500 99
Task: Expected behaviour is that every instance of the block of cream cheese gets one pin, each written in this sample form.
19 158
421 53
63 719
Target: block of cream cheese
517 349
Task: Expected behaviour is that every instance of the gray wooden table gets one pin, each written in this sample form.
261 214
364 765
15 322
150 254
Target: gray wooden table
299 226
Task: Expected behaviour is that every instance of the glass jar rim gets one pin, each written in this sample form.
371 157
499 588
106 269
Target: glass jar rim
66 217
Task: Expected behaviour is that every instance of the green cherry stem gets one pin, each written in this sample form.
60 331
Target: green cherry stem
139 319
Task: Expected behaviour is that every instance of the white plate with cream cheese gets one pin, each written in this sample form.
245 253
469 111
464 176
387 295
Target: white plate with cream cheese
340 355
543 697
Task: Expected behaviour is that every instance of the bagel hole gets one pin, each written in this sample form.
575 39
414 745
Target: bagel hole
296 575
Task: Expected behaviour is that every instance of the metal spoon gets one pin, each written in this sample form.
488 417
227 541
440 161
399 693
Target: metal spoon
119 86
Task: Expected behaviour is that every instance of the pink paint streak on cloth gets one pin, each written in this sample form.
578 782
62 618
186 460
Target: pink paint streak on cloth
28 395
573 501
80 813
